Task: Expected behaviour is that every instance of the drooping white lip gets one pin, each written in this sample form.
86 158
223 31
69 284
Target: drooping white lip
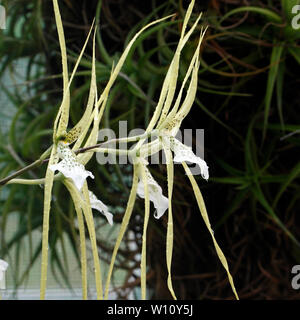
3 267
184 153
161 203
100 206
70 167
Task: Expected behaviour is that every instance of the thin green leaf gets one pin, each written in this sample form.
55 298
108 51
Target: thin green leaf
268 14
274 62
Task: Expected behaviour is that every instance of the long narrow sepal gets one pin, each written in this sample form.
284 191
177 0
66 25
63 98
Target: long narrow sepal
204 214
124 224
170 231
144 239
83 259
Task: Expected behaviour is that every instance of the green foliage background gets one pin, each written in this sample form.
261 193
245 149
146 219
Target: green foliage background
247 102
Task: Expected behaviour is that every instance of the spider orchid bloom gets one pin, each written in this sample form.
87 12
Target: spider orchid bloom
160 202
70 167
100 206
184 153
3 267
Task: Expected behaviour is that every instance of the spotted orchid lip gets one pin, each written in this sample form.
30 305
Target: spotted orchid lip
70 167
184 153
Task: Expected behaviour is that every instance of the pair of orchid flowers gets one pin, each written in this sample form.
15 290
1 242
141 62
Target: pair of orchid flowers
167 126
72 169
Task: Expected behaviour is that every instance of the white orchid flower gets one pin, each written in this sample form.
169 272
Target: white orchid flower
184 153
70 167
100 206
3 267
160 202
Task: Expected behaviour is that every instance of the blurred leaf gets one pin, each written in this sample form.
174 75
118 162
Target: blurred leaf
274 62
268 14
287 6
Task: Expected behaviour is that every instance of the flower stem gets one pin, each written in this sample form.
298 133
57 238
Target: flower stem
35 164
43 158
123 228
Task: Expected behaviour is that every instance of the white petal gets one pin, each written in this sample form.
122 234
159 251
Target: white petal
160 202
3 267
185 153
70 167
100 206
